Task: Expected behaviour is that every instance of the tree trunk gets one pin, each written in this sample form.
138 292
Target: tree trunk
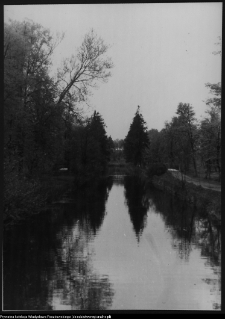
195 166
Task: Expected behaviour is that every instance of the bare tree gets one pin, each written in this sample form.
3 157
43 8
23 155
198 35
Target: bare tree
78 74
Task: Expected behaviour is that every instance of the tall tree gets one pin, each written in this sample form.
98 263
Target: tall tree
136 142
153 154
211 125
186 117
29 92
210 139
95 149
175 146
215 88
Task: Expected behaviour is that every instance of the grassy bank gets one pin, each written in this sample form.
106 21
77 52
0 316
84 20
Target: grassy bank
204 199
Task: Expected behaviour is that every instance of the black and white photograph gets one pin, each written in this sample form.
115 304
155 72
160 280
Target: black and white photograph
112 157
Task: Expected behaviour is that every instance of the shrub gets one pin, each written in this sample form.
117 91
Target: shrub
156 169
21 195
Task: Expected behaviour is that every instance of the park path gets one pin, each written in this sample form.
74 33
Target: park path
196 181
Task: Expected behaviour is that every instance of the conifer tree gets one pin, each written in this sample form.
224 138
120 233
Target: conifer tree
96 151
136 142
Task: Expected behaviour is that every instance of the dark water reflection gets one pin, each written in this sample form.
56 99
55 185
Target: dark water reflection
188 226
47 262
118 245
137 202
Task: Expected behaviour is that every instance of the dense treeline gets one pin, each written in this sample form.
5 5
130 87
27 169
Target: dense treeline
192 146
189 145
44 126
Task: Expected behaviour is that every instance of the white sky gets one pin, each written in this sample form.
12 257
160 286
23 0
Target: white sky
162 54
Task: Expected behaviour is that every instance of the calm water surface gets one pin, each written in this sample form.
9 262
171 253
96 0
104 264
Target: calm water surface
118 246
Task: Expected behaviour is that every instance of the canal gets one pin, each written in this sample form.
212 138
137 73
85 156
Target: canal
116 246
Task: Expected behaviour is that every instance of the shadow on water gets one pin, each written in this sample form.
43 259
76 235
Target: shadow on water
187 225
137 202
48 261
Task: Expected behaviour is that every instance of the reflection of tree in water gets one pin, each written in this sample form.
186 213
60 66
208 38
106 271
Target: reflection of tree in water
214 283
208 236
90 203
74 282
137 202
27 264
49 257
187 226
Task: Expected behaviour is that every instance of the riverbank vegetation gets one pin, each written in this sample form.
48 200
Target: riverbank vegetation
206 200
